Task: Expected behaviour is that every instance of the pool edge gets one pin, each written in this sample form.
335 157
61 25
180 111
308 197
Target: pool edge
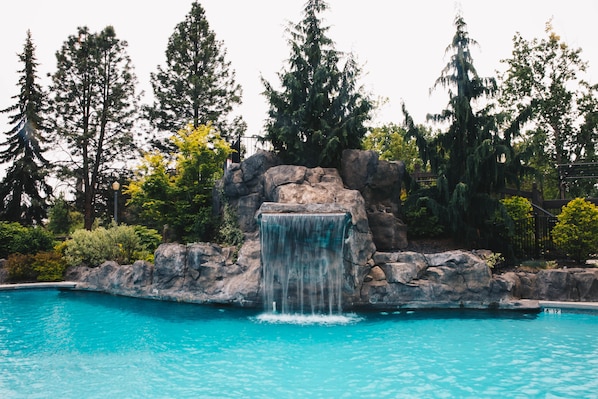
48 285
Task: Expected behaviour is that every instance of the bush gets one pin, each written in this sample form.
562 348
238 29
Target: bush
20 268
15 238
230 234
43 266
520 211
49 266
120 243
576 232
421 223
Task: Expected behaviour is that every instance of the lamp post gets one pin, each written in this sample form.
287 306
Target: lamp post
116 187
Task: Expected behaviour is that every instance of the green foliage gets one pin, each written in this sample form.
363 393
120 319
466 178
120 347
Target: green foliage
464 157
94 108
495 259
20 268
149 240
15 238
23 190
230 234
320 110
43 266
119 243
197 85
181 197
49 266
543 91
576 232
518 208
61 217
423 224
391 143
520 228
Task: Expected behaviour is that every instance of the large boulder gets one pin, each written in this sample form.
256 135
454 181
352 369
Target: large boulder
413 280
243 186
379 182
576 284
200 273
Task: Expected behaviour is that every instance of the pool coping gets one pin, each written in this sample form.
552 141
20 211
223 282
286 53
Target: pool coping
569 305
48 285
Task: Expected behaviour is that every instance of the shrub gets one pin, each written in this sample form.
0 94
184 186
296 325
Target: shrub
230 234
422 223
15 238
520 211
576 232
43 266
20 268
49 266
118 243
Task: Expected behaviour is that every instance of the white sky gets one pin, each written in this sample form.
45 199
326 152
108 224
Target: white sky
399 44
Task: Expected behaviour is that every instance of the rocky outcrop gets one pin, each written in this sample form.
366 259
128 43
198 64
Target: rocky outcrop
369 191
576 284
379 182
199 273
243 186
449 280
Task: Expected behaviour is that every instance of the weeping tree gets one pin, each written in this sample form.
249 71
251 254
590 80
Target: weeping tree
320 110
24 191
197 85
471 159
94 109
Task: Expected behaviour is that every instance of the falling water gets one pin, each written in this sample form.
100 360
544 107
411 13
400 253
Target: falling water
302 258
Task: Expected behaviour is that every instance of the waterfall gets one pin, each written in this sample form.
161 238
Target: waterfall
302 262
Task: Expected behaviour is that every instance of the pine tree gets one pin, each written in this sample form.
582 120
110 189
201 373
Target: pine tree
467 156
320 110
197 85
24 191
94 106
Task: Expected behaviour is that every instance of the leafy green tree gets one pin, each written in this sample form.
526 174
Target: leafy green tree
576 232
24 191
542 91
466 156
320 110
197 85
392 143
60 219
94 106
180 196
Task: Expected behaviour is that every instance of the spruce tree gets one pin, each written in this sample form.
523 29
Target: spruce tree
24 191
468 155
197 85
94 106
320 110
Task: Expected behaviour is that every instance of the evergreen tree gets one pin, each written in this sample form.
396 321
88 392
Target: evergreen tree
320 111
197 85
542 91
467 156
24 190
94 108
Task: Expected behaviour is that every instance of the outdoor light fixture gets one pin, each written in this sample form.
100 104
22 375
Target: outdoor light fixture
501 158
116 187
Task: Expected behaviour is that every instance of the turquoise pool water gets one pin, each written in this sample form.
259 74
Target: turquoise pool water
83 345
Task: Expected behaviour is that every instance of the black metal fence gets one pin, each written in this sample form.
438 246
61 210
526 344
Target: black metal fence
533 237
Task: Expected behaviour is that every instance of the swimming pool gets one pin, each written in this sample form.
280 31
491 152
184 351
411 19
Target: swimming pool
69 344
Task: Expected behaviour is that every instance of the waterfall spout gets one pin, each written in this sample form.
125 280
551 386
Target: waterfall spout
302 261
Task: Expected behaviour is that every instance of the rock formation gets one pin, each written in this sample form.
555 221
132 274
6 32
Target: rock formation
377 275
